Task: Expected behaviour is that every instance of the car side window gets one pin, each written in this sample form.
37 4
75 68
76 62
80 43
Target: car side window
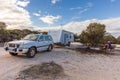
41 38
48 38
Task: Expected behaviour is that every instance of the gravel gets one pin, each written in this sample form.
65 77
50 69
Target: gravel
76 64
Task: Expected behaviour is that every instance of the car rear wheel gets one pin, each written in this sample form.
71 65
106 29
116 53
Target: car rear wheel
13 54
50 48
31 53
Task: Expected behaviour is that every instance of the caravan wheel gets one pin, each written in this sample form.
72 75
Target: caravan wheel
68 44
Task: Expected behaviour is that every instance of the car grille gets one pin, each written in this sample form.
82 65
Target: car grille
11 45
14 45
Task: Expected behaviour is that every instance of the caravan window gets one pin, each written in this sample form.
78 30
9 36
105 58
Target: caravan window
66 35
70 36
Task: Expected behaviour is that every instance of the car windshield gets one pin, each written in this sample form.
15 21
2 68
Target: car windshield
32 37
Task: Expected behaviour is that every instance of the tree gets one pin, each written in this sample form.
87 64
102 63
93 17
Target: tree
2 26
93 34
118 40
2 31
107 38
84 37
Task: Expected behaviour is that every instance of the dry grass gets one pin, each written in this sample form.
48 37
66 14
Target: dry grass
91 51
44 71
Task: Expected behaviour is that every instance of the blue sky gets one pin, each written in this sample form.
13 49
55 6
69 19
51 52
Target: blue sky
73 10
71 15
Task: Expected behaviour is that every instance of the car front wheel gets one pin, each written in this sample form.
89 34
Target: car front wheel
13 54
50 48
31 53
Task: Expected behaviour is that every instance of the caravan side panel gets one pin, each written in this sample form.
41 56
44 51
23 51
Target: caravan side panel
56 35
67 37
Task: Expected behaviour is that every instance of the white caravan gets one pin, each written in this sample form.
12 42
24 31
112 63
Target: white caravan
62 36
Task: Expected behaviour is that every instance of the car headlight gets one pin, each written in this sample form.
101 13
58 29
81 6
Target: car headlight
23 46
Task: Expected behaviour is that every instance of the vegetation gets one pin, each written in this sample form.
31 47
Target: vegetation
9 35
93 34
109 37
2 30
118 40
96 34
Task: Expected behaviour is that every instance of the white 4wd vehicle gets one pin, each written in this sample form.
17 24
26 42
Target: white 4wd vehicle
30 45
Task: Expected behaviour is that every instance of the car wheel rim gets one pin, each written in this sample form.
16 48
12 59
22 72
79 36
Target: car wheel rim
32 53
50 47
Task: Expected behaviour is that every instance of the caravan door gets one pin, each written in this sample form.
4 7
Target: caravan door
66 39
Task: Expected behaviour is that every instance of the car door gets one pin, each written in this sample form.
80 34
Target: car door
50 40
47 41
41 43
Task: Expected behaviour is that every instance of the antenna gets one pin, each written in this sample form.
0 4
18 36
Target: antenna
61 26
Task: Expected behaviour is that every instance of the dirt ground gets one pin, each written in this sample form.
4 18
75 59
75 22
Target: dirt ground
77 65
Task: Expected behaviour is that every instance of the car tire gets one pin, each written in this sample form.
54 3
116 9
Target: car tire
13 54
50 48
31 53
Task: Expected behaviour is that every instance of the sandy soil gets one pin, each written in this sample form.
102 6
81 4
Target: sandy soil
77 65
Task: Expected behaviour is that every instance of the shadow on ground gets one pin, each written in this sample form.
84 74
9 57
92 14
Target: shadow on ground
93 51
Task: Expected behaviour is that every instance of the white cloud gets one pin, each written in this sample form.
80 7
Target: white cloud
54 1
86 8
75 17
49 19
13 15
83 9
23 3
36 14
112 26
76 8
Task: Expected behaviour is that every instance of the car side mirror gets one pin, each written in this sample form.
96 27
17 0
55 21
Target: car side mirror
39 40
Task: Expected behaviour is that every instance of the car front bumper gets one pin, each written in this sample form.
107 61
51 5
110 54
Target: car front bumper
16 50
